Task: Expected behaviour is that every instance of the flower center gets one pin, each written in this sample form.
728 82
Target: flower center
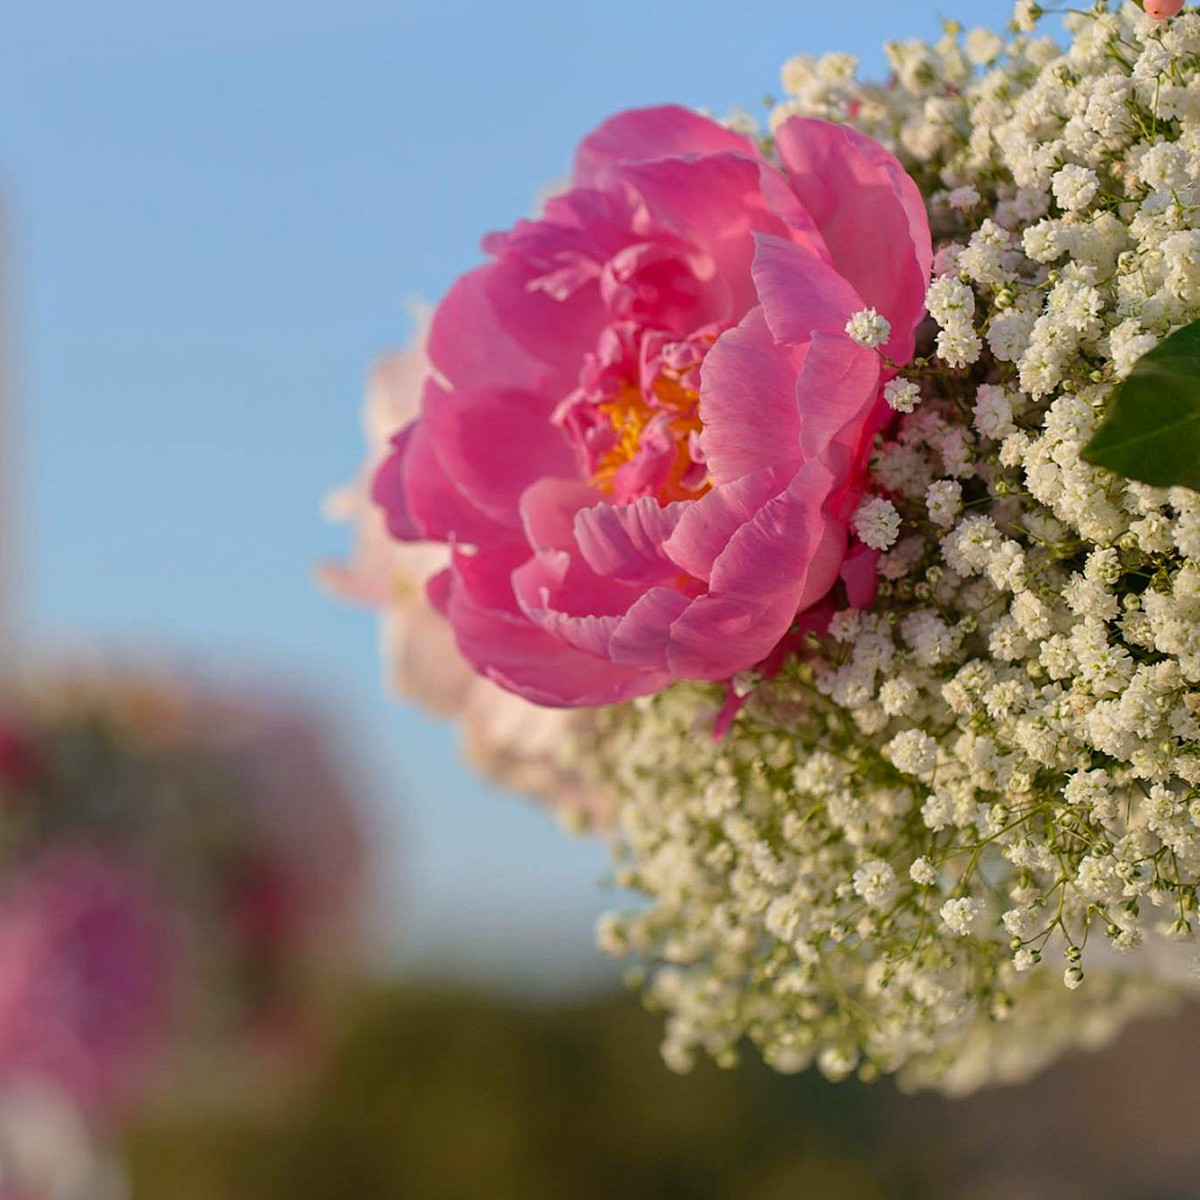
672 420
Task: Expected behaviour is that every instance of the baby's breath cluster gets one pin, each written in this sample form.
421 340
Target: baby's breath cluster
946 837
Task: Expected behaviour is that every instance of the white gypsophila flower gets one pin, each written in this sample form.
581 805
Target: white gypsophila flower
960 916
944 501
913 752
1075 187
1026 15
868 328
963 198
897 696
983 47
950 302
994 412
902 395
998 761
923 872
876 883
959 346
877 522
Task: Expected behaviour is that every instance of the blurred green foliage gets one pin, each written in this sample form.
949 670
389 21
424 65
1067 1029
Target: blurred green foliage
441 1097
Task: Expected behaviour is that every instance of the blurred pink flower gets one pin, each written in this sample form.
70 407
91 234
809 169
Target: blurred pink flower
19 763
505 737
645 423
86 977
1164 10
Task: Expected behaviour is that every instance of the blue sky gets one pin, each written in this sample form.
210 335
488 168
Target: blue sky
215 216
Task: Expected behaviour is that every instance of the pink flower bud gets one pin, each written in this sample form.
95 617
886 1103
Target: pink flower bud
1163 10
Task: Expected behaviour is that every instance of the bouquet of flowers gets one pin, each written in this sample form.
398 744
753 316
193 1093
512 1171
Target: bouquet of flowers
829 496
180 870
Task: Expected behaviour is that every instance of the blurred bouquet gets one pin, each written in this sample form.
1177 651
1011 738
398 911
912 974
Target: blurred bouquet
180 870
840 480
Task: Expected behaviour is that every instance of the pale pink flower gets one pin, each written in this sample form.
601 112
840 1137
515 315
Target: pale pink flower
505 737
1164 10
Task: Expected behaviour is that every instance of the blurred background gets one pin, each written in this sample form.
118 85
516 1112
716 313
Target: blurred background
214 219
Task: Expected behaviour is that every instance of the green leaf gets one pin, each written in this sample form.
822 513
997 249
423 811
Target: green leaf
1151 432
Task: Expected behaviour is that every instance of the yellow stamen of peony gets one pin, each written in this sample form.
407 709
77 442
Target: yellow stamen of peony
630 414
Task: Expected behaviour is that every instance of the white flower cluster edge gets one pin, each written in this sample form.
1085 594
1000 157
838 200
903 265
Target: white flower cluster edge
947 840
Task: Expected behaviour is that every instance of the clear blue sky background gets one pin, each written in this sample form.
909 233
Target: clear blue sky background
216 213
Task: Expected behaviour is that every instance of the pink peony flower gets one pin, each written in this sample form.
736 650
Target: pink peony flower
646 426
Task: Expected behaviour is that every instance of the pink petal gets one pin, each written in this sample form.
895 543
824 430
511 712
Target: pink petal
564 597
530 662
419 499
494 331
557 588
838 386
732 705
625 541
790 546
643 635
716 204
577 232
871 215
780 562
494 445
706 525
438 588
643 134
548 510
801 293
718 636
748 403
486 576
860 574
387 489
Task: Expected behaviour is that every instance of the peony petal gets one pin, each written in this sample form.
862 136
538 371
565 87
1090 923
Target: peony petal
438 507
780 562
706 525
387 489
556 588
871 215
860 574
801 293
530 662
486 575
643 635
625 541
438 588
838 385
748 403
563 597
494 445
842 409
786 547
419 499
496 330
715 204
718 636
644 134
548 509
